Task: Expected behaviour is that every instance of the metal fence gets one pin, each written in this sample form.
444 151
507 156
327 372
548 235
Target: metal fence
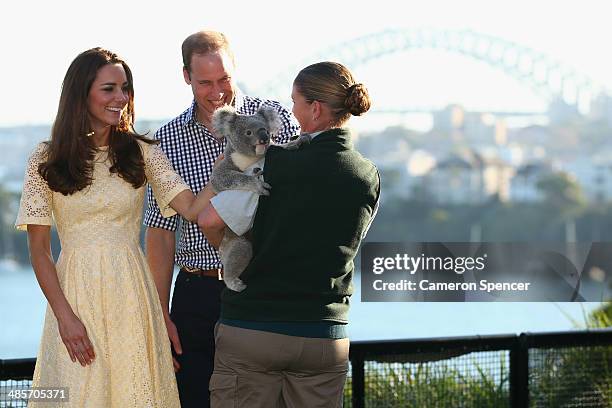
567 369
15 375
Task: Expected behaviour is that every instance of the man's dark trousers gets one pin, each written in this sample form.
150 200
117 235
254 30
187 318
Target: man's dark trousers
195 310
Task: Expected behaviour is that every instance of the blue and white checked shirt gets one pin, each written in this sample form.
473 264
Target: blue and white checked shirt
192 150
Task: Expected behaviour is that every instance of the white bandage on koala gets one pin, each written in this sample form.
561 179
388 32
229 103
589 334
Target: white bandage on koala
237 208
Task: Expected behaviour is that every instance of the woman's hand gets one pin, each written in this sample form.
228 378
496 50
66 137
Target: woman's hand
212 225
71 329
74 335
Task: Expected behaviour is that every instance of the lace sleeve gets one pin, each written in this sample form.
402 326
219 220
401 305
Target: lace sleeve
162 178
36 198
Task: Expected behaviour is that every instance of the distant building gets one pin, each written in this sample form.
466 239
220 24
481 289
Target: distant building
532 135
524 185
466 177
406 179
601 109
473 128
485 129
594 174
449 119
561 112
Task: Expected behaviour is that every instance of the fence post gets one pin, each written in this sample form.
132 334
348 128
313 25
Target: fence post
519 373
358 380
17 369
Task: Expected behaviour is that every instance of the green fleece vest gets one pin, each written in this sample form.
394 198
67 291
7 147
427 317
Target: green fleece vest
307 233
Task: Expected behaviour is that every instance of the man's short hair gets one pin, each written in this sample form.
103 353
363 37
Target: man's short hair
204 42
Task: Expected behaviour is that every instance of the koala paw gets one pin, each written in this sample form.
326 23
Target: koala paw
293 145
235 284
263 188
297 143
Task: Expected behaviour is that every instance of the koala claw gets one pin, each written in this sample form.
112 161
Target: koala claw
294 145
262 188
299 142
235 284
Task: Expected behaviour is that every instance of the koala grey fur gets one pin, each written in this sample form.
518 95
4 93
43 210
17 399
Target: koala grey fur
248 137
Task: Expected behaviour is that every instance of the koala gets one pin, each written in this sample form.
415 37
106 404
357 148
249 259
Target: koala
248 138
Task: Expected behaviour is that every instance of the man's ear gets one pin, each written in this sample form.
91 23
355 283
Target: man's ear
186 76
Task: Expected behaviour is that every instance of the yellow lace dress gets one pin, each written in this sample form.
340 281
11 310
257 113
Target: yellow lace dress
104 275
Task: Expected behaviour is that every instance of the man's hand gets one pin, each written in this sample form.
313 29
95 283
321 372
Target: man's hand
175 341
219 160
160 244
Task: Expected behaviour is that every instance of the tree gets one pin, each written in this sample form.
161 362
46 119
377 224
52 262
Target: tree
563 193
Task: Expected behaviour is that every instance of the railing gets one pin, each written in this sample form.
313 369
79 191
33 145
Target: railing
15 375
565 369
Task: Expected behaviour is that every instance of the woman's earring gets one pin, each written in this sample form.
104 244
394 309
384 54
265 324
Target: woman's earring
90 134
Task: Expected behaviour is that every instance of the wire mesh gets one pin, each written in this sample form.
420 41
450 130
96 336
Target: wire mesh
7 400
571 377
479 379
348 389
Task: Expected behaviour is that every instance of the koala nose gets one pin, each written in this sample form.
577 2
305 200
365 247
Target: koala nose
263 135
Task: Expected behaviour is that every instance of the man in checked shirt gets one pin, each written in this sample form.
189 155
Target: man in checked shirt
192 147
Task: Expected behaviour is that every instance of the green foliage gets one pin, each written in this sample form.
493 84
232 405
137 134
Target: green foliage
562 192
601 317
418 221
421 221
574 376
571 377
433 384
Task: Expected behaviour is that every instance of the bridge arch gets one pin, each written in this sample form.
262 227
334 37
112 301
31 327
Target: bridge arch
543 74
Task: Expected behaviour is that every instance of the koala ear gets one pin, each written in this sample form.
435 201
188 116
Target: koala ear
271 117
223 120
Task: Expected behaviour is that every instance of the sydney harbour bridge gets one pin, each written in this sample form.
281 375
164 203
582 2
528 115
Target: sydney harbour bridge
550 79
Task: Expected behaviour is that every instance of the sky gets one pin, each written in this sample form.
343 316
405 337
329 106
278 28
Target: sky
39 39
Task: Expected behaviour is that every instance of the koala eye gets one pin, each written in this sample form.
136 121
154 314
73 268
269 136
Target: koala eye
249 133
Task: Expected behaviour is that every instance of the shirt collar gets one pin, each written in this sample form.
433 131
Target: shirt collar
315 134
190 116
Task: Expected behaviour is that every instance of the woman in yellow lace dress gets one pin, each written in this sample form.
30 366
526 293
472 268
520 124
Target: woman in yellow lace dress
104 337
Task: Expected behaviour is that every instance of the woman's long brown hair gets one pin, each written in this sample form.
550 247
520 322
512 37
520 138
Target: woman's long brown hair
69 156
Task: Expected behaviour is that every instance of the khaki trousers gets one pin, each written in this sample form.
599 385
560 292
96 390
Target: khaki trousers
261 369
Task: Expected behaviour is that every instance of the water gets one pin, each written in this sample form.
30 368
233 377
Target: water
22 309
